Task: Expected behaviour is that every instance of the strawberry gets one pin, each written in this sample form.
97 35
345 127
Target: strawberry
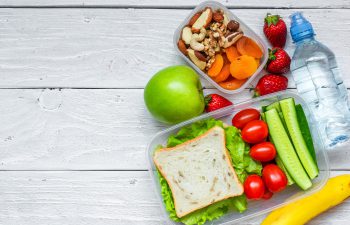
270 83
275 30
278 62
215 101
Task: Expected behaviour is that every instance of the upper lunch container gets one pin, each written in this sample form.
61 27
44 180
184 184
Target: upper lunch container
247 32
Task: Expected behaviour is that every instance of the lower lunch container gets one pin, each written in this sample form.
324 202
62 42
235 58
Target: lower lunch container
255 208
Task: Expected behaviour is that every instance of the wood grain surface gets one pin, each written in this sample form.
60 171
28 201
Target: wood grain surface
99 198
121 48
176 3
73 125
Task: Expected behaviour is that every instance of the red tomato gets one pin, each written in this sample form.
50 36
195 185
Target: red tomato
263 152
255 131
267 195
254 187
245 116
274 178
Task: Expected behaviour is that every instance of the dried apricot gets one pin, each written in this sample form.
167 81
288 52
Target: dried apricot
226 60
247 46
232 84
257 62
243 67
232 53
216 67
224 74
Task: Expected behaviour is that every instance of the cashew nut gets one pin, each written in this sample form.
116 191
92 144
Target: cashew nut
196 38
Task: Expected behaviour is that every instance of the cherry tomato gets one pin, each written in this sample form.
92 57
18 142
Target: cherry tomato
274 178
263 152
245 116
255 131
254 187
267 195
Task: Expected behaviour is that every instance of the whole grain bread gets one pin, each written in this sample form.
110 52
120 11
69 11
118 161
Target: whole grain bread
199 172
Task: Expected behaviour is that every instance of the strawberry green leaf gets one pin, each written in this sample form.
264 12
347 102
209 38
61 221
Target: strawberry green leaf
272 19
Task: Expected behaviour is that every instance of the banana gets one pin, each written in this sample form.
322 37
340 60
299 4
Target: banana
303 210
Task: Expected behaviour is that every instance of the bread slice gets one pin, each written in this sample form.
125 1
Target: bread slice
199 172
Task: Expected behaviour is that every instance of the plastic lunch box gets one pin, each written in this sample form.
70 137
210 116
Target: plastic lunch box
247 32
255 208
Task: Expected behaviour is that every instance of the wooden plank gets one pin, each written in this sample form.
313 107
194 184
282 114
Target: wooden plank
176 4
83 129
98 198
120 48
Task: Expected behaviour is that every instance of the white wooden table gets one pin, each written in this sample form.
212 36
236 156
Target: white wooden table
73 126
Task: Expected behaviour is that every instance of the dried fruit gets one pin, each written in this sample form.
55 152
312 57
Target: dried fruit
243 67
233 25
203 20
247 46
231 38
226 60
275 30
224 74
278 62
232 84
182 47
270 83
232 53
198 61
186 35
216 66
218 17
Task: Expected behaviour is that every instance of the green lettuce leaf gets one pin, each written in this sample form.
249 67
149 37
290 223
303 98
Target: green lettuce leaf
242 162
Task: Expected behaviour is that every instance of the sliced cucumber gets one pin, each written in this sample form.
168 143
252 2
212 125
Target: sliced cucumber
280 165
285 150
290 117
263 117
305 131
275 105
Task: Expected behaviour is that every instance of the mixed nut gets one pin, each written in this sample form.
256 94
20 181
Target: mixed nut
206 39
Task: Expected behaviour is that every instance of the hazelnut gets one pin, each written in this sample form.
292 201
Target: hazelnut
233 25
218 17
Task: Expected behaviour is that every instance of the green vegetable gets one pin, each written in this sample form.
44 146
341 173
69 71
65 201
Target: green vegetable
305 131
242 163
290 117
283 168
285 149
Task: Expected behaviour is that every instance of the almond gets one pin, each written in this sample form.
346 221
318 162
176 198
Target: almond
194 18
200 56
186 35
218 17
203 20
182 47
199 63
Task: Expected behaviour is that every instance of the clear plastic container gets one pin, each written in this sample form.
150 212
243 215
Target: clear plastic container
247 32
255 208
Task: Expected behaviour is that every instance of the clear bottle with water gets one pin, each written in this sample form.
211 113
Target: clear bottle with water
318 81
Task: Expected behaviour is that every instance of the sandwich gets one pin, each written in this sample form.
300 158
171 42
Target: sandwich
199 172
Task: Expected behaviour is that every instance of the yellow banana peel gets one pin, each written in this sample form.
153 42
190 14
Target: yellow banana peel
303 210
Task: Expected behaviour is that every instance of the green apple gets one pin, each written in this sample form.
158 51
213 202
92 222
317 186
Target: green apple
174 94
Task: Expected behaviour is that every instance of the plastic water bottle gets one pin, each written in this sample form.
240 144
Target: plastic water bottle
318 80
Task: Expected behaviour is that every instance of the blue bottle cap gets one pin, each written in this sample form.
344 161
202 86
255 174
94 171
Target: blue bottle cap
300 28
